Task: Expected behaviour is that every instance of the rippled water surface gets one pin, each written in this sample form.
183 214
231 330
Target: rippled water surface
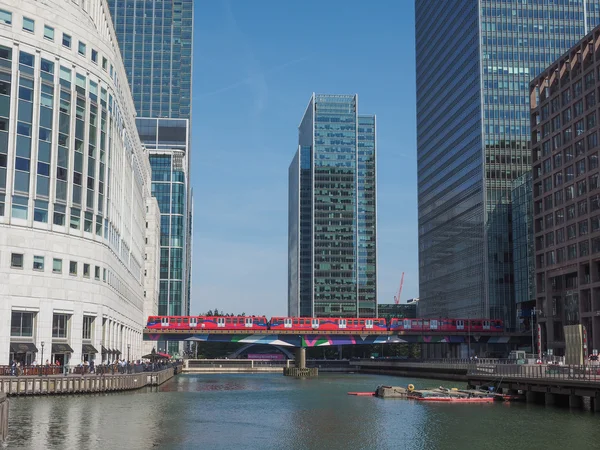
271 411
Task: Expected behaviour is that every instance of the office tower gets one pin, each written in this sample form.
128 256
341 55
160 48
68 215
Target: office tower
523 252
332 237
566 194
155 37
475 60
74 188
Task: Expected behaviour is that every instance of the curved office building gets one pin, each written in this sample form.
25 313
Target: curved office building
74 188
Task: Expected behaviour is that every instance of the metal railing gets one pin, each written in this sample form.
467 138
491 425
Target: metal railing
588 372
101 369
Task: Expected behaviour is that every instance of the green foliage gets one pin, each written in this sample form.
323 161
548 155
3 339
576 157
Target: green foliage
217 313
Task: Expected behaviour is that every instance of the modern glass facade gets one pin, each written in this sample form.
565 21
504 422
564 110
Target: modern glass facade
401 311
332 212
156 38
474 63
523 250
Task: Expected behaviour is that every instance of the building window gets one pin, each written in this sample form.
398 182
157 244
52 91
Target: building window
59 325
88 322
94 56
66 41
97 273
48 32
5 17
104 63
86 270
72 267
21 324
104 275
16 260
38 263
59 214
81 49
57 265
28 24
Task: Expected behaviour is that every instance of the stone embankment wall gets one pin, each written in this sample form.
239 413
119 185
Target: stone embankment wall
85 384
3 417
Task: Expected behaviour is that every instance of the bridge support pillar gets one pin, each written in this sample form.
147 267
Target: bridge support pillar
575 401
550 399
531 397
595 403
301 358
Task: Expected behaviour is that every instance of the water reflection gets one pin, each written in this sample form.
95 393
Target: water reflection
264 411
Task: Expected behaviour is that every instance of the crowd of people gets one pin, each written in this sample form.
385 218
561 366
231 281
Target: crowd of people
121 366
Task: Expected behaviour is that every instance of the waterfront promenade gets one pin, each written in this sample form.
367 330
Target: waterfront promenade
86 383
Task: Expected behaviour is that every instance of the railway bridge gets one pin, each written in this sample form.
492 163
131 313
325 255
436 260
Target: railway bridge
433 344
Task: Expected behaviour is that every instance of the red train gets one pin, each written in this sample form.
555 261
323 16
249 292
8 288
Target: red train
257 323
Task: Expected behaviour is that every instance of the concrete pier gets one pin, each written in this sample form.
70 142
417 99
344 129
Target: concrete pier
3 417
575 401
300 371
301 358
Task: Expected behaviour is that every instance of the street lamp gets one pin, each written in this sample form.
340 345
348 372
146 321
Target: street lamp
128 348
42 361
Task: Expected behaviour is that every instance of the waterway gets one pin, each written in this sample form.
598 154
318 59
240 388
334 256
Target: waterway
269 411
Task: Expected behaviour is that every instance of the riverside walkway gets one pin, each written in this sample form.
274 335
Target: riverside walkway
85 383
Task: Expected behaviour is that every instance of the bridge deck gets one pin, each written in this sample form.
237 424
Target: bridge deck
334 332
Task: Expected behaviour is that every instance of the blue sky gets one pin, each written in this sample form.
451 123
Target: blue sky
256 64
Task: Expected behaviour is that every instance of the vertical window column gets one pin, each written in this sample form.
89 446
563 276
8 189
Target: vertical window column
64 128
5 91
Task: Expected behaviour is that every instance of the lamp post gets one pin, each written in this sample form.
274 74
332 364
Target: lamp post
42 361
128 348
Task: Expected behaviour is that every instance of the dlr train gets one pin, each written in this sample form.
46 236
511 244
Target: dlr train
261 323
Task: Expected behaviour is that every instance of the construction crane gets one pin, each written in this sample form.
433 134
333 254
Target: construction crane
397 296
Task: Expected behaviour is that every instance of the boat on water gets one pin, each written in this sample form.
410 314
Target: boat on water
445 395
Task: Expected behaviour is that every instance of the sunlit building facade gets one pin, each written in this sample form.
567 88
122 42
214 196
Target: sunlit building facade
155 37
474 63
74 188
332 235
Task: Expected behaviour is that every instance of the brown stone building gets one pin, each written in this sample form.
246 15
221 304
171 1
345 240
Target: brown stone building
566 193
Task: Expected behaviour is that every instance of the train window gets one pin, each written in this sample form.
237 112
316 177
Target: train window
426 323
172 320
179 320
454 323
295 321
185 320
362 322
415 323
200 320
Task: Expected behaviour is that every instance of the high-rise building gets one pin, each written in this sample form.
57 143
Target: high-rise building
566 194
75 194
523 252
332 237
155 37
475 60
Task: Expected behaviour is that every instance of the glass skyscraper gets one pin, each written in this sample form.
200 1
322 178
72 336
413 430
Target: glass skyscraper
475 60
332 212
155 38
523 250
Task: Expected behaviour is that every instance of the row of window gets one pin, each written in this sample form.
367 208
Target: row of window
67 41
17 261
23 324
